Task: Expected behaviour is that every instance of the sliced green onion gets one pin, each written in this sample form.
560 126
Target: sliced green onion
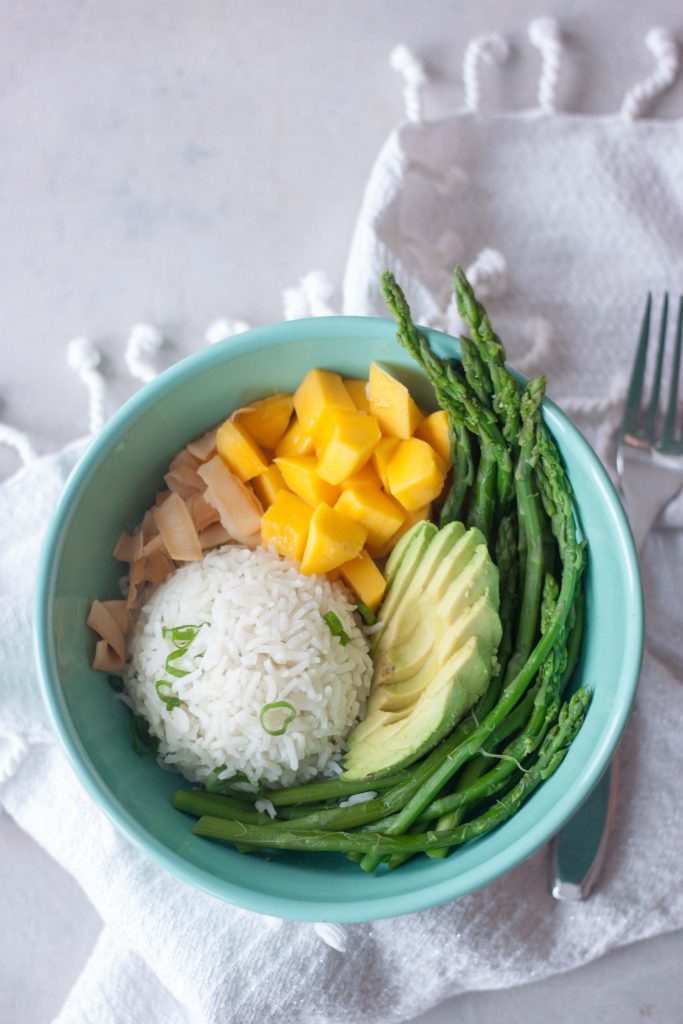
366 614
287 721
142 740
181 637
169 699
336 629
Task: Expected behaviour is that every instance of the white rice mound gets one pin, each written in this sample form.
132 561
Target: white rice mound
265 641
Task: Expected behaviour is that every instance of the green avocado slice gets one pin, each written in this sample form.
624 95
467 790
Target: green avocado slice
434 656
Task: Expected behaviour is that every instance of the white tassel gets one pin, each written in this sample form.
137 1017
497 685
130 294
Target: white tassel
224 327
492 48
544 33
488 274
310 298
144 342
14 438
540 334
410 67
662 45
332 935
83 358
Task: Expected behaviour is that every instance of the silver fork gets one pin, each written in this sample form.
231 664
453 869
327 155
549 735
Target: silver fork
650 469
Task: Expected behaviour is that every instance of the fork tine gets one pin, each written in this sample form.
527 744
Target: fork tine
670 417
653 407
631 421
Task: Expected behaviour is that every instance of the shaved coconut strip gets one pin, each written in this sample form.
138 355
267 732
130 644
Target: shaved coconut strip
136 576
184 458
148 528
203 514
158 567
213 536
159 498
120 612
106 659
154 546
203 447
239 509
179 488
179 532
105 623
128 547
186 475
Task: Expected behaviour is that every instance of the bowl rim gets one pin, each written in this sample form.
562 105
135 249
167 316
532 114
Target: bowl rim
374 907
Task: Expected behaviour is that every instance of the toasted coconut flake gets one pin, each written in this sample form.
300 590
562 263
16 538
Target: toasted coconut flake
203 514
203 447
106 623
159 498
239 509
128 547
106 659
213 536
154 546
178 531
179 488
120 612
149 528
184 458
158 566
136 576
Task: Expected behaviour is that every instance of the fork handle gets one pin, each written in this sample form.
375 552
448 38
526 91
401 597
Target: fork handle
578 850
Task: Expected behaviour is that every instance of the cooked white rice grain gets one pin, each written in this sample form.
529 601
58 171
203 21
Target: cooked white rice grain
265 641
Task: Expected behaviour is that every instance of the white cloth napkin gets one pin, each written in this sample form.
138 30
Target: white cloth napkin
580 215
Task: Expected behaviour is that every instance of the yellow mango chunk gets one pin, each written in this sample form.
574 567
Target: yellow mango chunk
416 474
300 475
285 525
377 512
391 402
240 452
267 420
333 539
295 441
381 457
268 485
434 430
318 391
411 518
366 475
348 447
358 389
365 579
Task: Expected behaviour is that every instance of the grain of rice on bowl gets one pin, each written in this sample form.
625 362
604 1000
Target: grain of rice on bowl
261 639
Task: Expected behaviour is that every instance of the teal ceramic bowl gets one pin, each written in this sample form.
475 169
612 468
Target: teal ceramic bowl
110 489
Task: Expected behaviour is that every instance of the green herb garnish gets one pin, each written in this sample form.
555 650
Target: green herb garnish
142 740
366 614
336 629
287 721
169 699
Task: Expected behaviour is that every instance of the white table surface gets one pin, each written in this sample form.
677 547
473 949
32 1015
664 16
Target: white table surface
179 162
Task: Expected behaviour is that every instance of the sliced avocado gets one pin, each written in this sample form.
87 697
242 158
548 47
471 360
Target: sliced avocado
433 659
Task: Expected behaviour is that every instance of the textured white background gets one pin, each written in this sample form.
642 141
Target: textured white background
179 162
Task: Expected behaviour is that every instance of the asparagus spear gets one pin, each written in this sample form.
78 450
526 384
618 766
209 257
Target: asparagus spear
483 509
463 472
551 754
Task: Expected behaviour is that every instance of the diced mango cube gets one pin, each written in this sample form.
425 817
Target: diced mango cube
416 474
411 518
300 475
348 447
318 391
268 485
267 420
434 430
377 512
358 389
333 539
365 579
240 452
366 475
295 441
381 457
285 525
392 404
